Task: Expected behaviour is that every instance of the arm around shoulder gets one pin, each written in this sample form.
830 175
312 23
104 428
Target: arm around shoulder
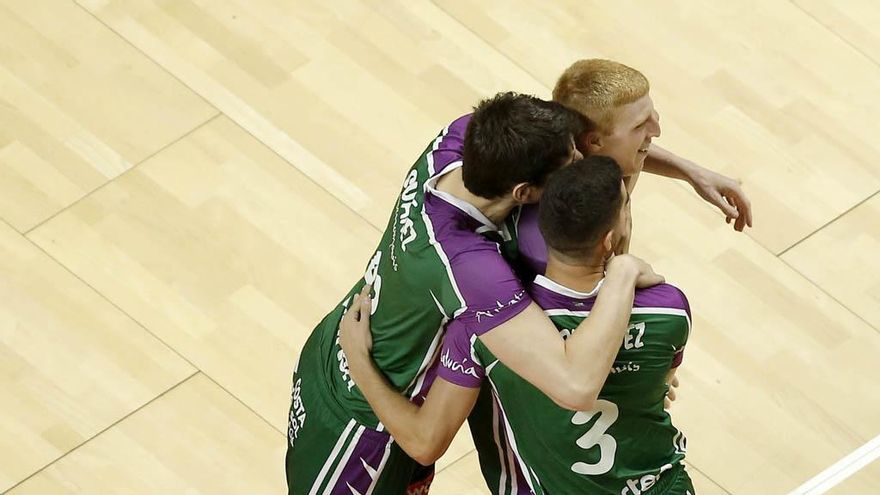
572 372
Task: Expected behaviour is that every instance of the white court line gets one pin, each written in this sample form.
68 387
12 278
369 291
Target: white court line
841 470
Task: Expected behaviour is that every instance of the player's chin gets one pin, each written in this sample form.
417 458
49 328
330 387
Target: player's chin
638 163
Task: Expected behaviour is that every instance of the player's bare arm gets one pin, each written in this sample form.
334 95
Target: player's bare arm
422 432
543 358
722 191
571 372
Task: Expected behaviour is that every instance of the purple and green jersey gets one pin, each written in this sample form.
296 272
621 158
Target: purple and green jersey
626 445
433 265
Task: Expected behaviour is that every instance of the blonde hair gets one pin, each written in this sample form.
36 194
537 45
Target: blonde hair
595 87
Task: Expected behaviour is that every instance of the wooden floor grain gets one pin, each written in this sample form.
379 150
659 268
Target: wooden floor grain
188 186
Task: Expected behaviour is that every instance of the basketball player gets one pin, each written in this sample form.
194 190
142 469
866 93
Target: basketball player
435 264
625 444
622 121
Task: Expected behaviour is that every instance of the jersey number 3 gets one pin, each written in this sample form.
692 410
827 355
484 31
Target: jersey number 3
596 436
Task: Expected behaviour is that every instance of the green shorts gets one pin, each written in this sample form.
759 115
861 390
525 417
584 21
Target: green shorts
681 484
330 453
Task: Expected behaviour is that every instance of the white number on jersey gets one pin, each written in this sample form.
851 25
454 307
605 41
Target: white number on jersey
596 436
373 278
631 341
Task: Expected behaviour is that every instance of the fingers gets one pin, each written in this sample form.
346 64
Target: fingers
669 398
742 220
740 224
649 280
354 311
740 205
670 392
724 205
745 206
360 305
738 198
365 302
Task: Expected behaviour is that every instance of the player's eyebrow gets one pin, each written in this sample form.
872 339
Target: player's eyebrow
644 120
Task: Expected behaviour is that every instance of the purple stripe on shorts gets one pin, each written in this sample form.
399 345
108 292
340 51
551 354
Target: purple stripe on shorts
363 466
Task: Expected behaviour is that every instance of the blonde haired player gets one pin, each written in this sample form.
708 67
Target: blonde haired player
616 98
623 122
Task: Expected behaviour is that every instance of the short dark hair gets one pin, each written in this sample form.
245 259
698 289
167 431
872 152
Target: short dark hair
580 204
514 138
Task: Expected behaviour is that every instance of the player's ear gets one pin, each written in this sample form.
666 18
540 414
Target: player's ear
525 193
594 142
608 242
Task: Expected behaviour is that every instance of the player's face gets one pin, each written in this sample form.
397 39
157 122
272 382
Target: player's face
634 126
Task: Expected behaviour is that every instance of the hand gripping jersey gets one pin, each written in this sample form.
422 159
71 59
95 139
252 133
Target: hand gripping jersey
626 445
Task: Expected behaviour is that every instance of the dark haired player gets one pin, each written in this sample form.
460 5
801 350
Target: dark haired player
625 444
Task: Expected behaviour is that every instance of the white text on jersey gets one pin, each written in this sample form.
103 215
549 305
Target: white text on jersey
633 337
407 203
459 367
636 486
297 413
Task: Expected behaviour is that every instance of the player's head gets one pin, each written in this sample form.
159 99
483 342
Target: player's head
582 214
514 141
616 100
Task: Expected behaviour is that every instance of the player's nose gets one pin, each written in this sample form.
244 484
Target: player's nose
654 130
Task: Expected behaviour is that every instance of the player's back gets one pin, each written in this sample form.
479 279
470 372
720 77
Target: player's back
412 293
627 443
427 269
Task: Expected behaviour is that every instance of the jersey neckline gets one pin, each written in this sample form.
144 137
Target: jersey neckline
552 286
469 209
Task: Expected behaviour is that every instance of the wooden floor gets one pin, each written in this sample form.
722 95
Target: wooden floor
187 186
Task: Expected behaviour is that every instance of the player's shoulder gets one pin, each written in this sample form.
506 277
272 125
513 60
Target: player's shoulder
664 295
479 257
453 134
460 124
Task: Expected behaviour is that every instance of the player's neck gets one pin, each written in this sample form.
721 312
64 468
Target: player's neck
495 210
581 276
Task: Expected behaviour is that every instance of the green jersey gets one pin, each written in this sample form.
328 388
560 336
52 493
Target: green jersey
626 445
433 265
